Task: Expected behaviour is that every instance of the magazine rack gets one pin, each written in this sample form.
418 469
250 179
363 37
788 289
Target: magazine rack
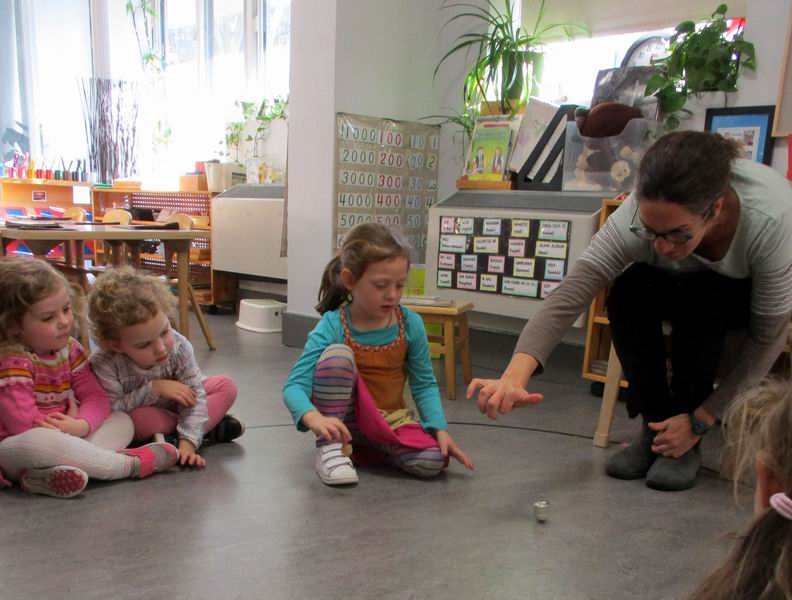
544 180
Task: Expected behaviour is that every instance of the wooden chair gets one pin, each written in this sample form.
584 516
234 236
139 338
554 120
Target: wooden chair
186 223
455 338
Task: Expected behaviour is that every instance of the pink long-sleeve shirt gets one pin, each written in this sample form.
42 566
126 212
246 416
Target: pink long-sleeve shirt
33 386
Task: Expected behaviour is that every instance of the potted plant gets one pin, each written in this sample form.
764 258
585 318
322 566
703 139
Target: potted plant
699 60
267 113
234 129
509 57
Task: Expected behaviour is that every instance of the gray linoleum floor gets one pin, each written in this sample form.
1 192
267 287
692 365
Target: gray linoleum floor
258 523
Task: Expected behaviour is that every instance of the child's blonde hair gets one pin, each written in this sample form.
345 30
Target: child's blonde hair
759 566
23 282
364 244
124 297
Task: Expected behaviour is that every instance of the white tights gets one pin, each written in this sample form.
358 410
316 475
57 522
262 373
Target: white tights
96 454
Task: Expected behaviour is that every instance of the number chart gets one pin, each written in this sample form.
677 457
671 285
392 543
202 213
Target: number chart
515 257
386 172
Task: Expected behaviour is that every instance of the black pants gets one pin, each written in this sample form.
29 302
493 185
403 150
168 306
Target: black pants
701 307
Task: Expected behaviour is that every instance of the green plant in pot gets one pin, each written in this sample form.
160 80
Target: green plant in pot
268 112
699 60
234 129
509 57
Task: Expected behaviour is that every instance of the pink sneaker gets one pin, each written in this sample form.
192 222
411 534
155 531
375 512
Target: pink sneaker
59 482
154 457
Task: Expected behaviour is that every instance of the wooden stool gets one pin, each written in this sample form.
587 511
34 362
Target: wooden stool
455 337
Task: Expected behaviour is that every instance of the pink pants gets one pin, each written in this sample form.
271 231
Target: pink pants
221 392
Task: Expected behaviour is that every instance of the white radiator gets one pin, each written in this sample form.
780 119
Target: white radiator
247 224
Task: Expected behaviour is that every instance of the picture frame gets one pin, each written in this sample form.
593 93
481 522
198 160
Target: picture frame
749 125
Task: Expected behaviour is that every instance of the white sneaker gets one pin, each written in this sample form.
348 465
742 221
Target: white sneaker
333 467
59 482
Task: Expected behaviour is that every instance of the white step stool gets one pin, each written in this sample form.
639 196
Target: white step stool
261 316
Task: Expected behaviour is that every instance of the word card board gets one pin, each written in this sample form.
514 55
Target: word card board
386 172
515 257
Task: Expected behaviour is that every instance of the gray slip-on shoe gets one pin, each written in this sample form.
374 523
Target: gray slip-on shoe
634 461
675 474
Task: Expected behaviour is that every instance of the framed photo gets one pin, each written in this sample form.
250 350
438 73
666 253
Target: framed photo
748 125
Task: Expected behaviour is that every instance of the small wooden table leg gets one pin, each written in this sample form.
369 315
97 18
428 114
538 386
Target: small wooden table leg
68 253
134 253
449 353
117 251
182 250
464 336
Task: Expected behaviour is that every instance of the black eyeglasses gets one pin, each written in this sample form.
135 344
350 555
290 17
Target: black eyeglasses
672 237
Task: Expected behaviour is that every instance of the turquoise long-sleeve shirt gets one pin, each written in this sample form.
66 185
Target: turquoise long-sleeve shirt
329 330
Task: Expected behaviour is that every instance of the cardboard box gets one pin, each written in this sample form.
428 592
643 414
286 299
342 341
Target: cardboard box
192 182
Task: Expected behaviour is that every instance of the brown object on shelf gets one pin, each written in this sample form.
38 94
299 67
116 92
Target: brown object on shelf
463 183
127 184
193 182
455 337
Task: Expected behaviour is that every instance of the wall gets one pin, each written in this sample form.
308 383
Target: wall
766 27
311 137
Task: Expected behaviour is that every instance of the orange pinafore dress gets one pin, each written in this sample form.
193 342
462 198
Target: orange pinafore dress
380 409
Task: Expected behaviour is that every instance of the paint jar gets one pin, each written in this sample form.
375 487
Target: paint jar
39 173
48 174
58 174
541 510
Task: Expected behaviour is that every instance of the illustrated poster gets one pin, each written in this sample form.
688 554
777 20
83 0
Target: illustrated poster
386 172
516 257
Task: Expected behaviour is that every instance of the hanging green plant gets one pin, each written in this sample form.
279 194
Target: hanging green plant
699 60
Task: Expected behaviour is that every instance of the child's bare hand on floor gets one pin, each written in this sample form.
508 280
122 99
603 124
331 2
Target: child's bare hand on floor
174 391
188 457
330 429
448 447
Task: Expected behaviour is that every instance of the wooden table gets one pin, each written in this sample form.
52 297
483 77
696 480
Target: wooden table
41 241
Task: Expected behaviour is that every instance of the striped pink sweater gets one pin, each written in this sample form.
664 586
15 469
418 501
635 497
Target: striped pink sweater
32 386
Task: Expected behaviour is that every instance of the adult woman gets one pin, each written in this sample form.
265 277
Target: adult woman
707 238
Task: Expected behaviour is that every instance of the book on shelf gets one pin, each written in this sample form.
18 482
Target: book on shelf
426 300
535 121
489 149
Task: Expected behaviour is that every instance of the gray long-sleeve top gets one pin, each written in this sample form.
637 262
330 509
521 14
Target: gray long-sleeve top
761 249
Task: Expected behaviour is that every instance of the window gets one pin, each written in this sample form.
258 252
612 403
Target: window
40 109
571 68
214 53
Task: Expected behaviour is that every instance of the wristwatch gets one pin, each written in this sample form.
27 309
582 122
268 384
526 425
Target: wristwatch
699 427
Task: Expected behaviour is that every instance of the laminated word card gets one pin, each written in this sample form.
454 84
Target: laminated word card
515 257
386 172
